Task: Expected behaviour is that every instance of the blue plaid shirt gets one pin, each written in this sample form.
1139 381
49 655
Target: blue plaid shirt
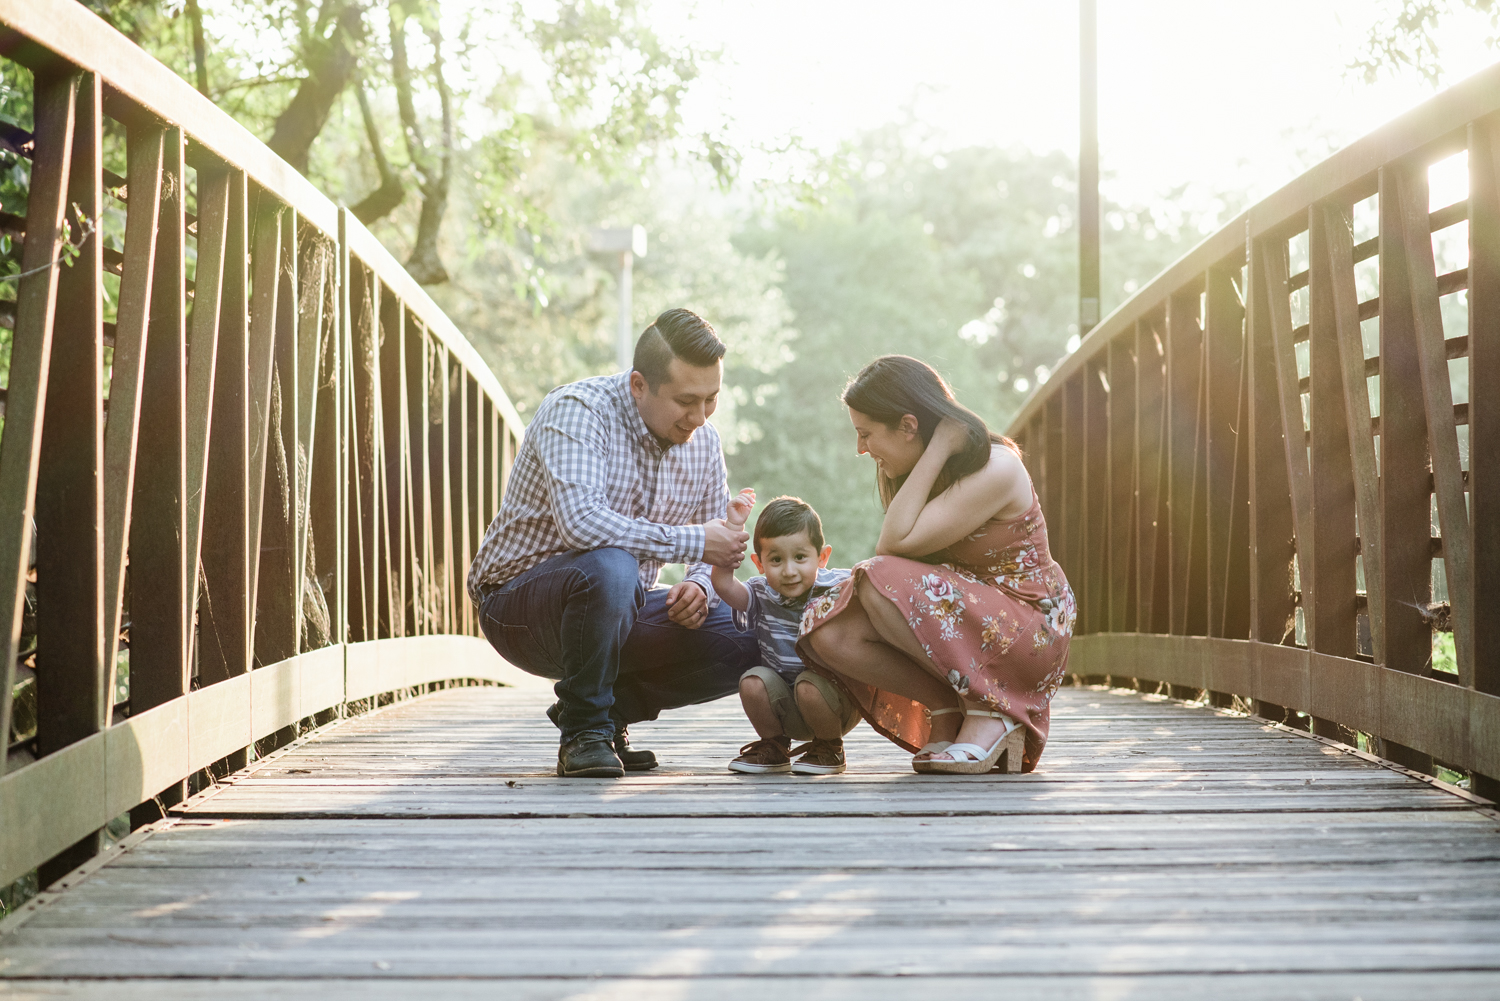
589 475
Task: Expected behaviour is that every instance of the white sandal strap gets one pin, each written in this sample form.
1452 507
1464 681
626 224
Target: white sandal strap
970 752
985 712
943 712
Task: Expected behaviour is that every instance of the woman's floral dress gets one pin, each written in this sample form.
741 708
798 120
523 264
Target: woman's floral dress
993 611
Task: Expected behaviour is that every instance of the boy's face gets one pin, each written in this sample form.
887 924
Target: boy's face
790 563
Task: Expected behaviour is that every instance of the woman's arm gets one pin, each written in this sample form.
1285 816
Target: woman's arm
916 526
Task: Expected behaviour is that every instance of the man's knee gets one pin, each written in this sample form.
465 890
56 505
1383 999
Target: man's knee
613 575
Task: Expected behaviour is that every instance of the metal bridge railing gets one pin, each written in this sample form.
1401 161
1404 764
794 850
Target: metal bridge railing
245 459
1275 471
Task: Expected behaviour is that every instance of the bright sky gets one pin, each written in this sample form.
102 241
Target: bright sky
1229 96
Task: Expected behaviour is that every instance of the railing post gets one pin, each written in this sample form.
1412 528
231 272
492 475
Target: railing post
160 569
1122 525
224 632
1331 618
70 676
1227 453
1484 406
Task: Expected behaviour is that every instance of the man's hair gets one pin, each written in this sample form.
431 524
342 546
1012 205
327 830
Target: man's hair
677 333
788 516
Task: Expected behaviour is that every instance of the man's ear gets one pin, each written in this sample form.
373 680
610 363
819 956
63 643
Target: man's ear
638 386
823 558
755 558
908 425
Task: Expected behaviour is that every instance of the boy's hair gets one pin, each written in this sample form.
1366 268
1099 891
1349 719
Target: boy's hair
677 333
788 516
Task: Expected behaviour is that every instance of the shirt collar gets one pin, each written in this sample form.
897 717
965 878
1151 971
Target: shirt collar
631 414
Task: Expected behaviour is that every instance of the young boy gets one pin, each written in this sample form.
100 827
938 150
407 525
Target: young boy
790 554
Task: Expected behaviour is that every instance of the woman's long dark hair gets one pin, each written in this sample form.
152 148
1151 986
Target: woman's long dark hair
892 386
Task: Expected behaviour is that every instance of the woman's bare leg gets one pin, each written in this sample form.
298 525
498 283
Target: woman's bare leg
885 617
850 645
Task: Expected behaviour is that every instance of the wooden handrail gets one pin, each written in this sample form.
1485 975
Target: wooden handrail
295 461
1245 502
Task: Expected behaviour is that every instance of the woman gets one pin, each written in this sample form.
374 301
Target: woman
954 638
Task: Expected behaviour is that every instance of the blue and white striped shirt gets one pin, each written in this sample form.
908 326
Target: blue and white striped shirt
776 621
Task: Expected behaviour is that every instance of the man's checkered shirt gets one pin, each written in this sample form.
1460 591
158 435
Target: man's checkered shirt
590 475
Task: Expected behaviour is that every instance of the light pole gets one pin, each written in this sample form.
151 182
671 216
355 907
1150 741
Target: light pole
1088 167
620 247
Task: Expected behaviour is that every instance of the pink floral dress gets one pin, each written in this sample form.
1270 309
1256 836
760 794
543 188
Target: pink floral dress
993 611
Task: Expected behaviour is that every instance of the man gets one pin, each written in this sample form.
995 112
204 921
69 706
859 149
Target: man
617 475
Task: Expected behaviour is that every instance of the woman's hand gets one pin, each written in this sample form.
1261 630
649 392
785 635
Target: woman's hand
949 438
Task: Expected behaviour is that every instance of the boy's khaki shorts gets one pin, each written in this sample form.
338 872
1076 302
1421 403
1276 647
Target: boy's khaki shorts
784 703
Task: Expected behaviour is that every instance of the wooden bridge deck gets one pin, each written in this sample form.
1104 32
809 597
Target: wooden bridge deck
1162 851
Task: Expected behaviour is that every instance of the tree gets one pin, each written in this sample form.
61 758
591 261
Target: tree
1405 37
593 76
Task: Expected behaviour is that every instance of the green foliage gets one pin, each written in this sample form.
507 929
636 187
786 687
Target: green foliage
1404 37
965 259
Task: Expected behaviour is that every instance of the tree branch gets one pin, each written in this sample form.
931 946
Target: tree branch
331 62
384 199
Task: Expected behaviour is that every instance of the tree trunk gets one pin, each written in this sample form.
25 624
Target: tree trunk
425 263
331 62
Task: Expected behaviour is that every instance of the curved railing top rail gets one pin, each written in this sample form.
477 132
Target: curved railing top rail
1439 120
1274 472
72 32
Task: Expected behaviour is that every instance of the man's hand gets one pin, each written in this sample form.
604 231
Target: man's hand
687 605
724 546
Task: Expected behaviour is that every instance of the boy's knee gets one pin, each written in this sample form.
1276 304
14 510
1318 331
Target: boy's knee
808 693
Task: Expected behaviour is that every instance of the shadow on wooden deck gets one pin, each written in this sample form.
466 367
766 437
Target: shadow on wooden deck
1161 851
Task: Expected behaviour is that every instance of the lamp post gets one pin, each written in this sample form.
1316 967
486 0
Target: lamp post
1088 167
620 247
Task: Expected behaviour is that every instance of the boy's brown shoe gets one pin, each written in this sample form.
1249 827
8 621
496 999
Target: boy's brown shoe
820 757
767 755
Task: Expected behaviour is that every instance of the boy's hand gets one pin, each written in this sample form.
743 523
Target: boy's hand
740 508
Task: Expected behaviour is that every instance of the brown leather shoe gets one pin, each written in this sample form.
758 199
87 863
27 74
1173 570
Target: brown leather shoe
767 755
820 757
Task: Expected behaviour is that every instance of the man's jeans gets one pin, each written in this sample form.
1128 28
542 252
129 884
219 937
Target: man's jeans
585 620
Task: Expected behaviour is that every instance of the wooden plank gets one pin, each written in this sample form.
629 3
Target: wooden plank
225 622
394 465
1339 246
127 373
208 293
1484 407
1272 528
278 591
1074 457
31 351
1150 412
1227 455
1331 612
1122 514
1405 501
1095 497
70 678
159 562
1184 447
265 268
1442 435
70 675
